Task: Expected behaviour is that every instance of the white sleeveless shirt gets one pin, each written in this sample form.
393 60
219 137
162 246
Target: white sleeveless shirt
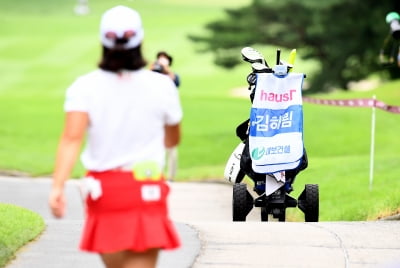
127 114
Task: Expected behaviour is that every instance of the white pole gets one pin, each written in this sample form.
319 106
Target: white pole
371 162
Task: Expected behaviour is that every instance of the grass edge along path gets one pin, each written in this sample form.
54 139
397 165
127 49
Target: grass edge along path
18 226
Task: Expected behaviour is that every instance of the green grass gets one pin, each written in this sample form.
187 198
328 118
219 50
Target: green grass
17 227
44 47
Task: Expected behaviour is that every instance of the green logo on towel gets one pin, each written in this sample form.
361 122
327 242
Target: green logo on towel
257 153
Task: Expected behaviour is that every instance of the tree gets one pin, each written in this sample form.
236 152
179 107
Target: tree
345 36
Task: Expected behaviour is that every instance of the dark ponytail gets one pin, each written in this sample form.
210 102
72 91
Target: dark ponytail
115 60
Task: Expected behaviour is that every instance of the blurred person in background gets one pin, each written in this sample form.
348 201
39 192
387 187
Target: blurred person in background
82 7
163 64
130 115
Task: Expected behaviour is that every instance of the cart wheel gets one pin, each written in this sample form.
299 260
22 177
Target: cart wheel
309 202
242 202
264 214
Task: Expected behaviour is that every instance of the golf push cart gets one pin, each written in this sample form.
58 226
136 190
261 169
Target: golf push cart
271 152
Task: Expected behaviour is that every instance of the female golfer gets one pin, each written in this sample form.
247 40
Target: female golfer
129 115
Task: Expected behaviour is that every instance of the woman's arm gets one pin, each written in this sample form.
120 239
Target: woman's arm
68 150
172 135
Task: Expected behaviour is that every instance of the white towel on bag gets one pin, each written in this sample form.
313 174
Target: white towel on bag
276 123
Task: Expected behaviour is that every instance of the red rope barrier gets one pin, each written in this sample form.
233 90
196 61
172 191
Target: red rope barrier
355 103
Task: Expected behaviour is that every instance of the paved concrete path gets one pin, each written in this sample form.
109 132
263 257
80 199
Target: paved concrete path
57 247
202 212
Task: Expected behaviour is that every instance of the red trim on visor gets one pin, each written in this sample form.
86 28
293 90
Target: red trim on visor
127 34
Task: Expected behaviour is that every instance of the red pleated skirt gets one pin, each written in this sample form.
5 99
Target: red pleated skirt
129 215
